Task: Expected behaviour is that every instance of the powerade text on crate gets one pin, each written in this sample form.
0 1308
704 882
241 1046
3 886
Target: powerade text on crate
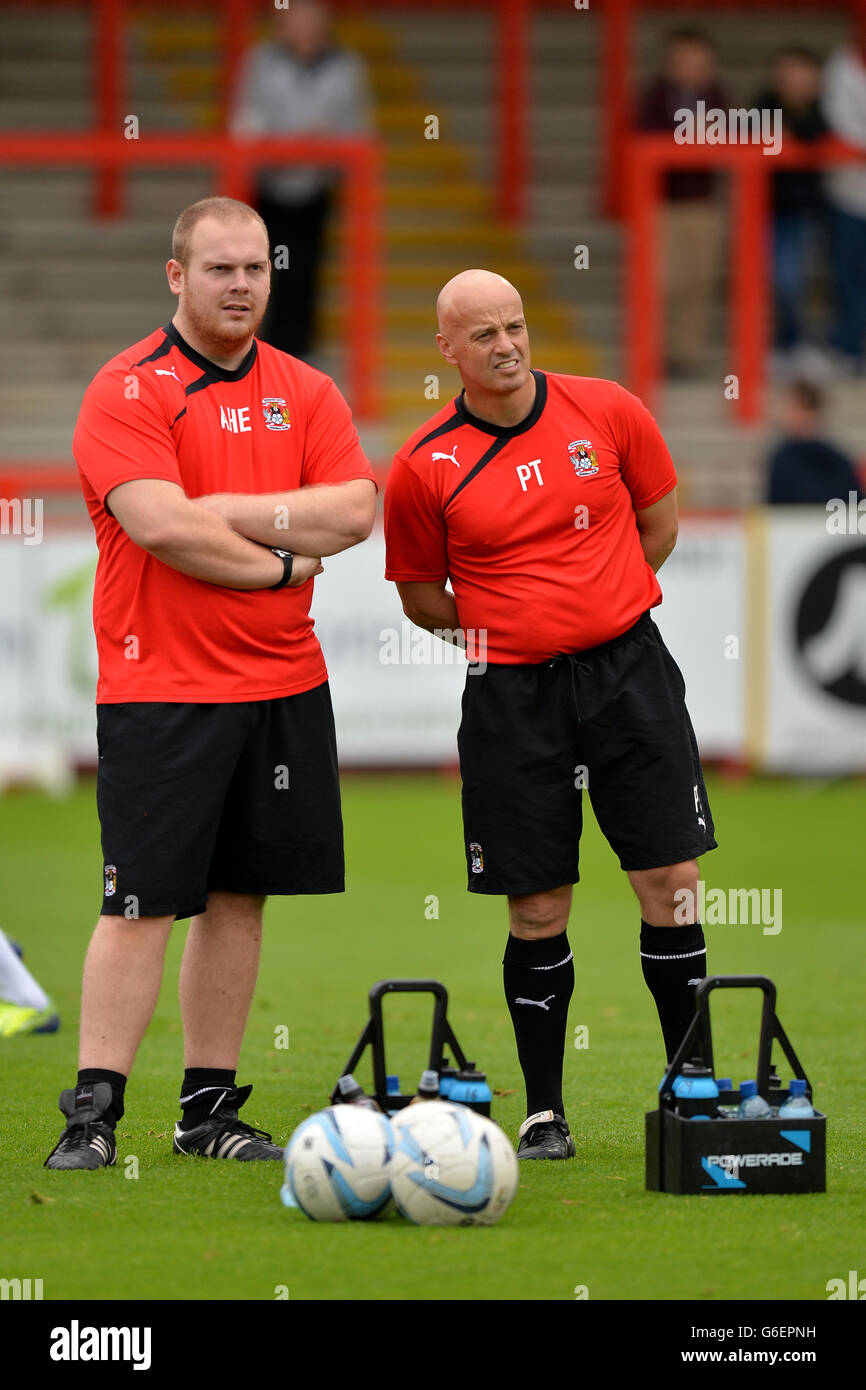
699 1141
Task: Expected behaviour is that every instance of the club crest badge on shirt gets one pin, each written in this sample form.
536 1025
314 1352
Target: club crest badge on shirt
276 413
110 875
476 858
583 457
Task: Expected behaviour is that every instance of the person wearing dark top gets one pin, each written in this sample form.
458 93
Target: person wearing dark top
691 238
798 206
805 468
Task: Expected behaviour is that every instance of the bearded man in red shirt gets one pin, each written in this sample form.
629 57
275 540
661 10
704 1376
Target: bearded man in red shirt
217 472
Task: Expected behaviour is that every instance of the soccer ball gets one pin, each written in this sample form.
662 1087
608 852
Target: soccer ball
451 1166
338 1165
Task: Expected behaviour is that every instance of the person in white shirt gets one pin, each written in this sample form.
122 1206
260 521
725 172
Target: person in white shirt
301 83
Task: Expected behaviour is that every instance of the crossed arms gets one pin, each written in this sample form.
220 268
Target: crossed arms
223 538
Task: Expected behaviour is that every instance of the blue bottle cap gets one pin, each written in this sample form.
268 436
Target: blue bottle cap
725 1083
392 1085
798 1088
748 1088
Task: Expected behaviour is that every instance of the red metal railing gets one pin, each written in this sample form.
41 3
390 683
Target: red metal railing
512 46
630 172
649 156
235 161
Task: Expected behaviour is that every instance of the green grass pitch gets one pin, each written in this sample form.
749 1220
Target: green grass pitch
193 1229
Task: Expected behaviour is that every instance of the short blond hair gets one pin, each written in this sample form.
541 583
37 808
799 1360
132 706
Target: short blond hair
224 209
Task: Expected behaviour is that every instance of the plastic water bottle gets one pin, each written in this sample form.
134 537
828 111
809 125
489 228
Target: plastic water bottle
697 1093
752 1106
797 1106
470 1088
350 1093
428 1087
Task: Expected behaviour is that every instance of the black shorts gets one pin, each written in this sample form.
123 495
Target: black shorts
612 719
195 798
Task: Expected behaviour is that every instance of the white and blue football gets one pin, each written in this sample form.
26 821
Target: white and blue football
338 1165
451 1166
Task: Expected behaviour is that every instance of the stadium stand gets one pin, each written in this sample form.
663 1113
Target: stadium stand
78 288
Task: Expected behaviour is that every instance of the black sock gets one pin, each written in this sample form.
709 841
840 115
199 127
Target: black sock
673 960
199 1093
539 981
117 1082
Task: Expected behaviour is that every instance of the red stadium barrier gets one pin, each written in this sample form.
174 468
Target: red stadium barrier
235 161
630 179
648 157
238 19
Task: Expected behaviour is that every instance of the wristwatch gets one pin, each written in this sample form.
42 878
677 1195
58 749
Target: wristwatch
288 560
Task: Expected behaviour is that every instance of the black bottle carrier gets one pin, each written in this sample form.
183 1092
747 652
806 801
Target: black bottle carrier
442 1036
723 1156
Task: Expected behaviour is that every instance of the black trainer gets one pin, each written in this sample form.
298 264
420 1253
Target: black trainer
545 1135
88 1140
223 1135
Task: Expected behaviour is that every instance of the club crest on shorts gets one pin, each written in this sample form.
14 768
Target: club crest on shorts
583 458
110 874
476 858
276 413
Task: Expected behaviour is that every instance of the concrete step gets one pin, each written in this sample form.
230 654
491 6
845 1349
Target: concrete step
426 34
69 364
42 442
472 77
38 236
552 201
476 120
58 78
40 113
27 191
46 32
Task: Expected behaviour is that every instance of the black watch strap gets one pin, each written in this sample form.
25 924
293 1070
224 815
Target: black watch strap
288 560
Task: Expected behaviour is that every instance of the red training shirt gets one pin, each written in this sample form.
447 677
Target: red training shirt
161 410
534 525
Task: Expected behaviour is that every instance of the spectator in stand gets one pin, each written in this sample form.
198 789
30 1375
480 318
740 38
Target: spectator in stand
299 84
805 467
691 221
798 205
844 104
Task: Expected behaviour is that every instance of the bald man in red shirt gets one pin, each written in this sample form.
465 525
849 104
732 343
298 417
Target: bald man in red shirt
548 502
217 472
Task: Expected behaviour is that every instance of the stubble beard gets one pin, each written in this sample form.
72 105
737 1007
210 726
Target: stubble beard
222 339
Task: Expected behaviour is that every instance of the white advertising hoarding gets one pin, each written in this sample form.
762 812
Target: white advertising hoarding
811 709
791 647
703 622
